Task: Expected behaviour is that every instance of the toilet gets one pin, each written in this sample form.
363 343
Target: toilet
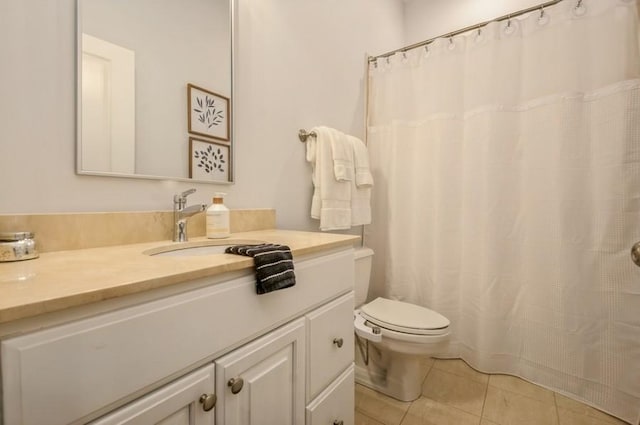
393 338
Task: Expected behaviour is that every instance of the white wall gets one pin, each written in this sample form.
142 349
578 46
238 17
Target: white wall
300 63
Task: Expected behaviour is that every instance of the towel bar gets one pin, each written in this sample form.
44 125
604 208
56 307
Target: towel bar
303 135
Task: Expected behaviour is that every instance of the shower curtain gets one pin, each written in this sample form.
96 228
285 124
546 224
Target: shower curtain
507 196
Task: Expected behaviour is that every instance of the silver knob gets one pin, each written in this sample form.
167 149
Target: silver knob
236 385
338 342
337 422
635 253
208 401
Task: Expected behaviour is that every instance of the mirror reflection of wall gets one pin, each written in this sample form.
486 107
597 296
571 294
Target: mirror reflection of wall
171 43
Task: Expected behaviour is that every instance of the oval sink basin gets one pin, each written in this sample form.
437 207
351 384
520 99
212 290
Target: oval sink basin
190 249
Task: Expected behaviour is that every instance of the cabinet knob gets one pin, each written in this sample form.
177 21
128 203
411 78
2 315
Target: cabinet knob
338 342
208 401
635 254
236 385
337 422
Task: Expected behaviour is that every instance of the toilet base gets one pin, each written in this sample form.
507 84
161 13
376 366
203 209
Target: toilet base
394 374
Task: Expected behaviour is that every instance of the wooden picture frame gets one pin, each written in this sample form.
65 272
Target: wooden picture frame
209 160
208 113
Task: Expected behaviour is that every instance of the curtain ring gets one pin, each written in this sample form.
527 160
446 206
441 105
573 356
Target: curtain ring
543 19
452 45
375 63
580 9
478 36
426 51
509 22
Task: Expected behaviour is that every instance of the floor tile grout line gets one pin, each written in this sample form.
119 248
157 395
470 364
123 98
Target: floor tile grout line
406 412
555 403
443 403
523 395
484 401
460 374
368 416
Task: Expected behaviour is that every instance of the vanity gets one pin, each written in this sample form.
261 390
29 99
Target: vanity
112 335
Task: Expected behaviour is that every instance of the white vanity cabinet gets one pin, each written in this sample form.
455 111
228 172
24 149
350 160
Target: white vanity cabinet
153 362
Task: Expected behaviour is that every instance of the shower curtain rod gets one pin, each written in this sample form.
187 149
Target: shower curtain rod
469 28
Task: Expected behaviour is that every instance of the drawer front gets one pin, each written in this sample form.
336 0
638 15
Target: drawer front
83 369
336 403
330 342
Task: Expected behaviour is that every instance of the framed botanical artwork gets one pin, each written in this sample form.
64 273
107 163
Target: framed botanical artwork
209 160
208 113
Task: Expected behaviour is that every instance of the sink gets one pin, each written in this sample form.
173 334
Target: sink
193 251
199 248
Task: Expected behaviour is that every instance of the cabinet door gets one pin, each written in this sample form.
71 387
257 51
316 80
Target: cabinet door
177 403
330 343
262 383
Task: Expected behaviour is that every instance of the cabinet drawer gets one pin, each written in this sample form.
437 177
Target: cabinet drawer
336 403
330 342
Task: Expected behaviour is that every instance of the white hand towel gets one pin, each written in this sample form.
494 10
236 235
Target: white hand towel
312 148
341 152
331 202
361 185
361 163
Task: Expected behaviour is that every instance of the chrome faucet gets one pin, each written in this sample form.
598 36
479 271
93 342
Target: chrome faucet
181 213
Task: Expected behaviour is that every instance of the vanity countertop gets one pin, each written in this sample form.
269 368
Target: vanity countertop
64 279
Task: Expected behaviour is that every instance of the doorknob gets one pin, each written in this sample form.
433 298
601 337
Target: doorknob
635 253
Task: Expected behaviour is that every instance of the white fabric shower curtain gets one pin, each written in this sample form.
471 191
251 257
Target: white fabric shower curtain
507 196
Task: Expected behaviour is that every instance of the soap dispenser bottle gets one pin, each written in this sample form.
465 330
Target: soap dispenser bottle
218 218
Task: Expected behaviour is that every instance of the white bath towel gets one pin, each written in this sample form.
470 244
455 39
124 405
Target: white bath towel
331 202
361 185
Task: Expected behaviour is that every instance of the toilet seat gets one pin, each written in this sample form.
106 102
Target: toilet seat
403 320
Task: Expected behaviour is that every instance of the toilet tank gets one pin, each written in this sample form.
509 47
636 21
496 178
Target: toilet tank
363 261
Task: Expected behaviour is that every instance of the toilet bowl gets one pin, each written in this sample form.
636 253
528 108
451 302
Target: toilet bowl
394 338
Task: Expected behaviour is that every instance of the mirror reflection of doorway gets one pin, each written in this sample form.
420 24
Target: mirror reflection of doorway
108 106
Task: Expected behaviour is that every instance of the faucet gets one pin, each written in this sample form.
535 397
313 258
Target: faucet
181 213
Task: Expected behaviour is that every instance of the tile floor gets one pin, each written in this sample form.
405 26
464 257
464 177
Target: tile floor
455 394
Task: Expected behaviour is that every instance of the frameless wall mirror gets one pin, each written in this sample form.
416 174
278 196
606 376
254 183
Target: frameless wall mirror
155 82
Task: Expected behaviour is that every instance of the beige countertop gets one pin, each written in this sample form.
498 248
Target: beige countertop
64 279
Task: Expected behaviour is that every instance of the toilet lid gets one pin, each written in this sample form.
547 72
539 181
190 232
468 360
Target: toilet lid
404 317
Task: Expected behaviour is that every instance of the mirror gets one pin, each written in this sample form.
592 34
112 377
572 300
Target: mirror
155 89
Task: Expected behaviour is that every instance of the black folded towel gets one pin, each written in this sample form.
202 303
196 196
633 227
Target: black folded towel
274 265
